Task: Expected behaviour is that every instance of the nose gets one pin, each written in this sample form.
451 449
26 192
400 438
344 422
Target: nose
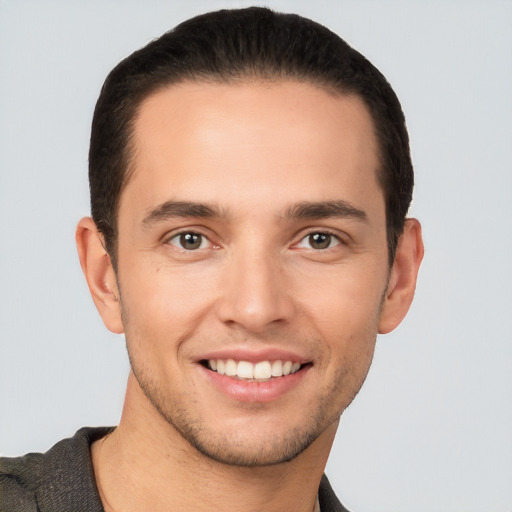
255 292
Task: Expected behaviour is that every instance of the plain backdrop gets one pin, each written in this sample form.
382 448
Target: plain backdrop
432 428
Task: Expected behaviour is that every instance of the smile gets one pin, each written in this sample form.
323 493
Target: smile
257 372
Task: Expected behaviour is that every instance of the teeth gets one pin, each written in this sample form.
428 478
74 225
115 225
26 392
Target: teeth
231 368
263 370
245 370
277 369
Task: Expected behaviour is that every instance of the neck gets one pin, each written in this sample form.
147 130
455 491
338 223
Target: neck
145 464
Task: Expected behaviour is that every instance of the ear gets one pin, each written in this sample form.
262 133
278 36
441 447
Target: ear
99 274
402 280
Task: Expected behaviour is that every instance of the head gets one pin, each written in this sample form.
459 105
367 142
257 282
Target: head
250 177
230 46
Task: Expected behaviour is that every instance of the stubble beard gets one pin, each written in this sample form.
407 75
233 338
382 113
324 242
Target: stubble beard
231 448
235 448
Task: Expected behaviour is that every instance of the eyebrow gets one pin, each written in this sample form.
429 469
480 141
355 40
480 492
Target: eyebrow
301 210
324 210
187 209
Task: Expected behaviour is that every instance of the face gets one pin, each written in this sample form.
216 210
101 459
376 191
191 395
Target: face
252 263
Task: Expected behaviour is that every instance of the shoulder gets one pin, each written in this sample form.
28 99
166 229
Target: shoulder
18 482
328 499
52 480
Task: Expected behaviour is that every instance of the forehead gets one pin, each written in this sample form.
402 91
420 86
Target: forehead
243 139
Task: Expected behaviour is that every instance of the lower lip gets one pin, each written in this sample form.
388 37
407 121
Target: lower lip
246 391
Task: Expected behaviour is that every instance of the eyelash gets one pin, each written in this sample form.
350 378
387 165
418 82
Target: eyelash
177 236
332 237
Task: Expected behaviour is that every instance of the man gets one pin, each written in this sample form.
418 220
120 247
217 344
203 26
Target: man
250 178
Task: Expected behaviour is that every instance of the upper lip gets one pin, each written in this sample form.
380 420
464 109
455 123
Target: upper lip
255 356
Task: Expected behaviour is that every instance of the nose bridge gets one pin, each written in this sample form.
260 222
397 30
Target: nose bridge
254 287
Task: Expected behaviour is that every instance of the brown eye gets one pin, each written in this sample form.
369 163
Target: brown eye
189 241
320 240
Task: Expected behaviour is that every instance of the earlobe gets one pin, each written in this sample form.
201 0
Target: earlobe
99 273
402 280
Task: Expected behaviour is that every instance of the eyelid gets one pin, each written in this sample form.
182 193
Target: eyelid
177 237
166 239
340 237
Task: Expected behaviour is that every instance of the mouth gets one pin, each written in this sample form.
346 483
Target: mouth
262 371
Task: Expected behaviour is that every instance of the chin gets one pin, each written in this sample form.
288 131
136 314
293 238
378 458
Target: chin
251 440
250 451
248 435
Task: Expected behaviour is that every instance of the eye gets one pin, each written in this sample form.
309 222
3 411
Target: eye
189 241
318 241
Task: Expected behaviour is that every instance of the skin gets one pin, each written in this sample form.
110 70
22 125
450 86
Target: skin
258 155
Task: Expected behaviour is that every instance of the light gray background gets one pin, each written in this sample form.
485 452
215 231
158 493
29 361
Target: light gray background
432 428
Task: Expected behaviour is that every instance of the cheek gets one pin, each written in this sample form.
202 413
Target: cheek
343 302
344 311
162 305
